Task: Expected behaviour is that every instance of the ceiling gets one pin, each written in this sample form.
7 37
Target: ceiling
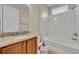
24 6
18 6
54 5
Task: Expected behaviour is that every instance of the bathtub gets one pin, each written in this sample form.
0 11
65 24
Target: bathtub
61 47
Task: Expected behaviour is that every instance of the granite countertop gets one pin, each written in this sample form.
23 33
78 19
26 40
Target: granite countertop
5 41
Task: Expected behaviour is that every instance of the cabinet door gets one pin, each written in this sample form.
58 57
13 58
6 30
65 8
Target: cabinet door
32 46
0 51
14 49
24 47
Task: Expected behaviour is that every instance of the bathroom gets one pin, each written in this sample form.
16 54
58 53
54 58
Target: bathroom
51 28
59 29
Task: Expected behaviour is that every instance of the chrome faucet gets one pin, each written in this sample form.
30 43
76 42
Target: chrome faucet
75 34
74 39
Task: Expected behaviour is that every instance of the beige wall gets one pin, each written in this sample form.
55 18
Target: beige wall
0 19
24 20
34 19
43 20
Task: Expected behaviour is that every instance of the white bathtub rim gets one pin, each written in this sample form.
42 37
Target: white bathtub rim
60 43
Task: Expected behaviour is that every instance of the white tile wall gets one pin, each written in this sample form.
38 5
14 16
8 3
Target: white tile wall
62 28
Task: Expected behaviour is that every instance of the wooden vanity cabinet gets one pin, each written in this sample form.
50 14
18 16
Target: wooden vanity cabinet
25 47
32 46
13 49
0 50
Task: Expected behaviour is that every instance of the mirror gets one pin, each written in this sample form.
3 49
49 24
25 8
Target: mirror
14 18
10 19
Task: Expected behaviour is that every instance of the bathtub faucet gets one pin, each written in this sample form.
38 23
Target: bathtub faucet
75 34
74 39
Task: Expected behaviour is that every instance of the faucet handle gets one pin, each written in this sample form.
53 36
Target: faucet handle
74 39
75 34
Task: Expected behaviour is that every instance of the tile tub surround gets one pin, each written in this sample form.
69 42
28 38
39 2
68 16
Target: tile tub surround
5 41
